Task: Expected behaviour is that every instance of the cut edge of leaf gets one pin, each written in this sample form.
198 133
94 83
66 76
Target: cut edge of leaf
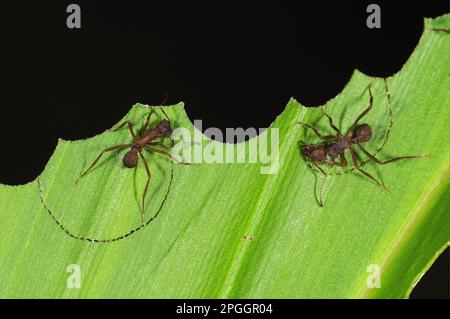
420 275
292 100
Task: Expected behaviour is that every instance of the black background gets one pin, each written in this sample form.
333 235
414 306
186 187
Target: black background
282 308
226 61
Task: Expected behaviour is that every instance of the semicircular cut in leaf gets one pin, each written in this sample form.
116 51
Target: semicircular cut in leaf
227 230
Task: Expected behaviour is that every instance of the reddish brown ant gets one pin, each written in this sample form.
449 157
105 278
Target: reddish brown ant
334 146
148 138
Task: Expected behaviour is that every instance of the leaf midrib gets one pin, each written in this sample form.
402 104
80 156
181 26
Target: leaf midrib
264 200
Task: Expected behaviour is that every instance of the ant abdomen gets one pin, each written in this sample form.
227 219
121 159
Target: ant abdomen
130 159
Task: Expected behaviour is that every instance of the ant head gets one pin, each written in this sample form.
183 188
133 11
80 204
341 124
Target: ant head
164 127
316 153
130 159
363 133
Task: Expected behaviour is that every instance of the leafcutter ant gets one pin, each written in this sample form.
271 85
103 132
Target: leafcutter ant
148 139
331 151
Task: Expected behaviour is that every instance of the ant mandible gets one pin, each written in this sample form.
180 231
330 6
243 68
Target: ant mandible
147 139
334 146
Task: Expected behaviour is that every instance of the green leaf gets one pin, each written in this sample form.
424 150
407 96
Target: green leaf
227 230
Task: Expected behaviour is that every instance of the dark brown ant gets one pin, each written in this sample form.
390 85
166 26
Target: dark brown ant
148 139
334 146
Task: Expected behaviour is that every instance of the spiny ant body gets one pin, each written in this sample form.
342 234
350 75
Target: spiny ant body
161 130
149 138
328 152
333 147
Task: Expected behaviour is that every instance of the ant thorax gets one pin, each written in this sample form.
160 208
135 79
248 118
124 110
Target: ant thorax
333 149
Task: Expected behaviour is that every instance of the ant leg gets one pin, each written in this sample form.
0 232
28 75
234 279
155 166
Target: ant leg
130 128
167 118
159 144
391 118
144 128
323 137
117 147
357 166
379 162
159 151
320 168
149 177
360 116
316 178
343 162
330 121
321 195
320 201
165 154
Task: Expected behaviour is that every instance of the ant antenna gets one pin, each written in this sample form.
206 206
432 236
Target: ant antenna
164 113
166 96
321 191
